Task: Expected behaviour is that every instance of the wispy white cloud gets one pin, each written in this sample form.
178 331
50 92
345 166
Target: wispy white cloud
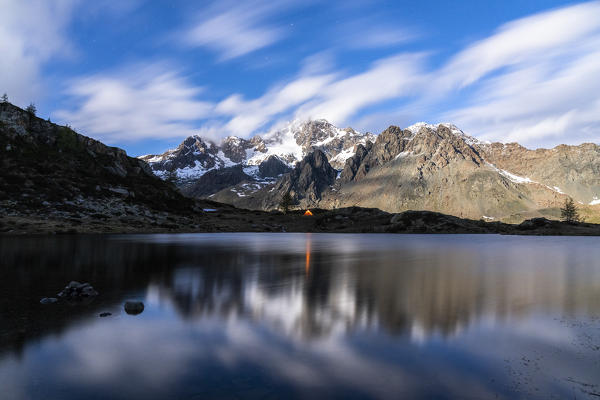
534 81
147 102
399 76
234 29
374 30
332 95
539 36
31 33
248 116
380 37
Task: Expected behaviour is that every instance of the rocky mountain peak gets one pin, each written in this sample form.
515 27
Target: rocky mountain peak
196 156
436 145
192 157
196 144
447 128
308 180
339 144
234 148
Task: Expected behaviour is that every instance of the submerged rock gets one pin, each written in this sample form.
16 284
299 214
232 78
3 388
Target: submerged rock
134 307
48 300
76 290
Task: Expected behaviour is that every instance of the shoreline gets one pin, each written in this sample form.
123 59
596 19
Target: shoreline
346 220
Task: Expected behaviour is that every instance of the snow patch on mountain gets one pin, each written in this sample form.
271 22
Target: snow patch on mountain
520 179
403 154
280 143
226 162
342 156
194 156
515 178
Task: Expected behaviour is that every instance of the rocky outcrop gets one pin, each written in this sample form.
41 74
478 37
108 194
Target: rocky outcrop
77 291
354 165
574 170
235 148
133 307
273 167
215 180
307 182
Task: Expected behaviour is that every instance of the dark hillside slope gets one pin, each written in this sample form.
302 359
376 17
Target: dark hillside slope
44 166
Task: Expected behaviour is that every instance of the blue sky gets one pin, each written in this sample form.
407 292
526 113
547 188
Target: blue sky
143 75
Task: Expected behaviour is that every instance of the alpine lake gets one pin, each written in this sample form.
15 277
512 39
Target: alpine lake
285 316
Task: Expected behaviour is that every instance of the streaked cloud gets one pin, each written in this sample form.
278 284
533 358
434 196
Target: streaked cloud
146 102
233 29
31 33
540 36
534 81
375 30
332 95
380 37
394 77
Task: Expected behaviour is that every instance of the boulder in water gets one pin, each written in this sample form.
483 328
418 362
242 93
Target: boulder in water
134 307
76 290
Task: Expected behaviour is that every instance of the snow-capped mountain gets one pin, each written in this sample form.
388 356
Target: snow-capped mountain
439 168
196 156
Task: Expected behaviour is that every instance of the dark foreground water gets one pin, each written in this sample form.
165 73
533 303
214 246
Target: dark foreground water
302 316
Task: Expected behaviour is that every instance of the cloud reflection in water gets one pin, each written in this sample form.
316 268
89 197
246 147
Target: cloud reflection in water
305 315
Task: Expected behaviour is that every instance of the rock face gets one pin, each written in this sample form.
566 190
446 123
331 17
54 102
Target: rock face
307 183
574 170
308 180
354 165
273 167
436 168
215 180
45 167
275 154
439 168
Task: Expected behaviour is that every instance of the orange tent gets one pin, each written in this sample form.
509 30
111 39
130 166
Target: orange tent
308 212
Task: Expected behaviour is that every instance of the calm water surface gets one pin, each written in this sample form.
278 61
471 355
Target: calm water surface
302 316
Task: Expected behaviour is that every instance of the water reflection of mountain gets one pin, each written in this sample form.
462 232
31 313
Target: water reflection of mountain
413 288
441 293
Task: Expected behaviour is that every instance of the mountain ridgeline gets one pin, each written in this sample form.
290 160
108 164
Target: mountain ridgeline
55 180
423 167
